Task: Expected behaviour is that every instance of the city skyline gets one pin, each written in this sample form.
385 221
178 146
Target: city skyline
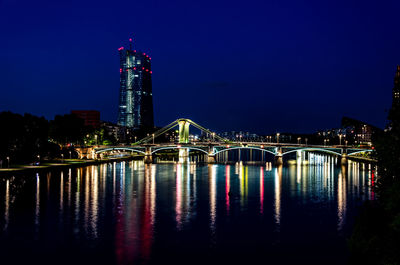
277 67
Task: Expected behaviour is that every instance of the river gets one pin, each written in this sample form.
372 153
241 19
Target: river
131 213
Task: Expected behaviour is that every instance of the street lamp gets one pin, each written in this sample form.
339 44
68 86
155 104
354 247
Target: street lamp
298 140
135 138
306 140
69 154
95 136
340 139
153 137
62 158
324 142
8 161
277 138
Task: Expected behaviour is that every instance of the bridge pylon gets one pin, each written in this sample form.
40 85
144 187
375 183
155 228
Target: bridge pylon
183 131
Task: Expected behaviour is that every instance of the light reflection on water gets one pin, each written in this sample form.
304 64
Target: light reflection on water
128 211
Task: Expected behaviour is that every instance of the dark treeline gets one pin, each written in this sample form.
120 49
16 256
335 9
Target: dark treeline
376 235
27 138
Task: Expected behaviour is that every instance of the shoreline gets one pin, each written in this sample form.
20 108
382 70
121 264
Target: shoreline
73 163
68 163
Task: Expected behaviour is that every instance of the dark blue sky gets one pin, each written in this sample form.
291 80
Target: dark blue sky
262 66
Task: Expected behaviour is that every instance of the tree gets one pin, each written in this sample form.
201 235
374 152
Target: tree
68 129
376 235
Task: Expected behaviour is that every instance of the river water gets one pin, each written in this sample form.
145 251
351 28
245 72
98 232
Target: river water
132 213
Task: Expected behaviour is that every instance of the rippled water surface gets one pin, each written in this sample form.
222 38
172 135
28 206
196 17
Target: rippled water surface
131 213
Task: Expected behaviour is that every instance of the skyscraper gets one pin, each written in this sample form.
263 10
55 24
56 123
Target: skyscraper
396 88
136 96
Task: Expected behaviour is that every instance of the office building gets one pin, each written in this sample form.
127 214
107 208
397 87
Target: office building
396 88
136 96
91 117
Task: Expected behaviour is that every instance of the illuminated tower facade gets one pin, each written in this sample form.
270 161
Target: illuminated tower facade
136 96
396 88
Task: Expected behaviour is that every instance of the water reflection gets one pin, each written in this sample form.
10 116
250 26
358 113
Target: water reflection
213 196
243 184
277 193
178 207
341 197
7 205
128 206
261 190
227 187
37 205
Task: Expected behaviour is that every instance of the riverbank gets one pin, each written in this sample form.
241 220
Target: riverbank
58 164
362 159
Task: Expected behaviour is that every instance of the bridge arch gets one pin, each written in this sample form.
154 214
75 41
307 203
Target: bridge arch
175 147
244 147
313 149
119 148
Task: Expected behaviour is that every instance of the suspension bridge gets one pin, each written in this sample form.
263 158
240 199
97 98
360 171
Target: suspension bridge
147 147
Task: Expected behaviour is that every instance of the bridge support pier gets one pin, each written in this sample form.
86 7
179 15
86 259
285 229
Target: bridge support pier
183 155
211 159
148 158
299 156
343 161
278 161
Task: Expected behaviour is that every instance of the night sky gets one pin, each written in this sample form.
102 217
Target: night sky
259 66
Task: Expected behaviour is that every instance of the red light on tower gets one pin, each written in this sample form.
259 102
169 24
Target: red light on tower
130 44
134 68
147 70
151 72
142 68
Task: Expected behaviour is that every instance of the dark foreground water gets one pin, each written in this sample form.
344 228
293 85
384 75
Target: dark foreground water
131 213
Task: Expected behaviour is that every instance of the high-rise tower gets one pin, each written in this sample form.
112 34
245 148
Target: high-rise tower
136 96
396 88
